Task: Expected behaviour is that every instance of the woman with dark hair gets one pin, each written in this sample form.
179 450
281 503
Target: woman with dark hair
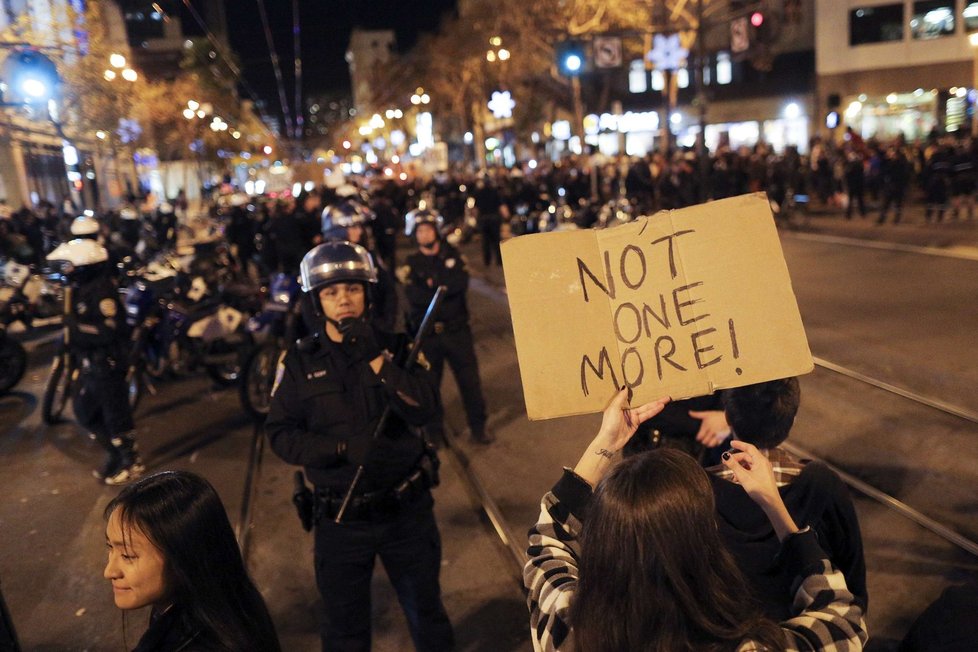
637 563
171 547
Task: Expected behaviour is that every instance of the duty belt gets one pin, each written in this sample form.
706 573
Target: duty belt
379 504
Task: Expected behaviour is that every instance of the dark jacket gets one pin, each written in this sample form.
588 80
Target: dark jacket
97 323
327 402
423 275
170 632
816 497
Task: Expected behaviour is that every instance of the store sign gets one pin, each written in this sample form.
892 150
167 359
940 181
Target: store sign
629 122
739 38
607 52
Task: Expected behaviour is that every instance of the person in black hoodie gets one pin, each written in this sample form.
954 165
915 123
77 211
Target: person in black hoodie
762 415
172 548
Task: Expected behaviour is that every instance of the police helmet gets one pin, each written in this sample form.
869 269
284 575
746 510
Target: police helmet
79 259
347 191
335 262
423 216
337 218
129 213
84 226
165 208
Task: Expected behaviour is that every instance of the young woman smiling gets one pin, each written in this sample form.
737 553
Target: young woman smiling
171 547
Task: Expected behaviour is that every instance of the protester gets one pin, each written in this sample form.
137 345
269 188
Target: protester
172 548
634 560
762 415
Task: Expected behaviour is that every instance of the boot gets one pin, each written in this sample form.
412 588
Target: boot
480 435
129 465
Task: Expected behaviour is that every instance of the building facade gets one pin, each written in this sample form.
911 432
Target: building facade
897 68
367 50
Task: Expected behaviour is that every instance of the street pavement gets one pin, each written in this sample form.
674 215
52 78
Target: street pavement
51 550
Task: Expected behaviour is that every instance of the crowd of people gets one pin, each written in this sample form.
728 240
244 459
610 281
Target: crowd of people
779 562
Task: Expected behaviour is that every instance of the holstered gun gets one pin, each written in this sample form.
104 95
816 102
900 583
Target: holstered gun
304 501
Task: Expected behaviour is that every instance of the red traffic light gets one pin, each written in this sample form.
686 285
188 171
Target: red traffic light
757 19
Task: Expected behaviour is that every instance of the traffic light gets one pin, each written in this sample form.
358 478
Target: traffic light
571 57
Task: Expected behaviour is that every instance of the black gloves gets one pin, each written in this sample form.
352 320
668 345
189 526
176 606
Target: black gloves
358 334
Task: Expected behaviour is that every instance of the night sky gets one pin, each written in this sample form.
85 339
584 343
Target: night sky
325 32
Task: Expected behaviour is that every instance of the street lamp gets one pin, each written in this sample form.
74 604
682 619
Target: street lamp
118 62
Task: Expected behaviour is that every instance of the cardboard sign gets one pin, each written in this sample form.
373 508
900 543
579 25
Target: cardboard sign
680 303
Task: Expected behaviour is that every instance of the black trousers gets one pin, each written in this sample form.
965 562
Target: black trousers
102 405
458 348
490 227
409 547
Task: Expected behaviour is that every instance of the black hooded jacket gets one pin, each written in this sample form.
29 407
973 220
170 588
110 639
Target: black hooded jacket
817 497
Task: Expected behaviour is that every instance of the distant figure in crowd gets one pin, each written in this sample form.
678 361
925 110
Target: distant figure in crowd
172 548
628 556
436 263
492 210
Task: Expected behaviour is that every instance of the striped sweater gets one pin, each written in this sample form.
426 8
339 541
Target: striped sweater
827 618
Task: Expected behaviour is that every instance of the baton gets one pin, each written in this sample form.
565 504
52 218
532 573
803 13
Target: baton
423 330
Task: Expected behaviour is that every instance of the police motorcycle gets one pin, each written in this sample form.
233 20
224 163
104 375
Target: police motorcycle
557 214
521 221
67 259
615 213
144 300
14 307
203 321
273 329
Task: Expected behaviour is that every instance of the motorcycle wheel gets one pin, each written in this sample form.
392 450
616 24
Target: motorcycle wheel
56 391
13 364
259 377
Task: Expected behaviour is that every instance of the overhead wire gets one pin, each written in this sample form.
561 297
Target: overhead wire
278 70
229 62
297 57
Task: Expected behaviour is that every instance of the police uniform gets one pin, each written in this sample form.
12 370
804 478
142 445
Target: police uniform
98 339
451 338
326 404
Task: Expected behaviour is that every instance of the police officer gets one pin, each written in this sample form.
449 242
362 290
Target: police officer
165 225
85 227
330 392
438 263
98 337
129 226
348 220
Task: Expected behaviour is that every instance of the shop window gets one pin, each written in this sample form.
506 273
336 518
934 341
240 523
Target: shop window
970 16
658 80
876 24
724 68
682 78
932 19
638 78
